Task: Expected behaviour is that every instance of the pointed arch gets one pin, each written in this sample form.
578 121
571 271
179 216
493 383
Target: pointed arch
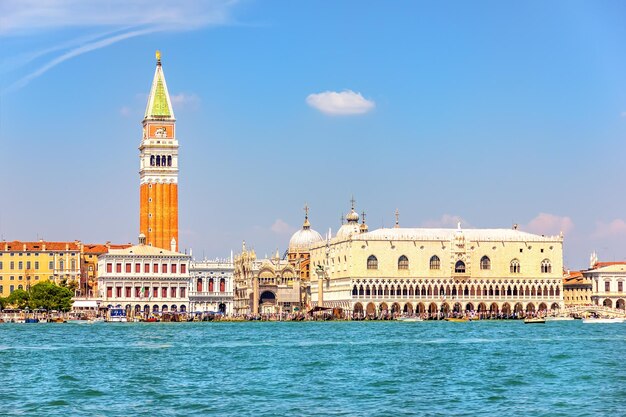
403 262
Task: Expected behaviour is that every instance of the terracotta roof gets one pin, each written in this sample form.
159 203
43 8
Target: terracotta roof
98 248
603 264
18 246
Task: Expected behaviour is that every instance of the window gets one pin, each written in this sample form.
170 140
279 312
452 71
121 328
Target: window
137 268
173 268
620 286
372 262
50 265
118 292
12 288
128 267
183 268
546 266
485 263
155 292
61 265
173 292
128 292
211 285
36 264
109 267
155 268
182 292
199 285
435 263
13 264
146 268
20 287
27 264
73 263
118 268
164 268
109 292
1 289
403 262
20 265
515 267
164 292
459 267
0 264
36 277
607 286
12 278
222 285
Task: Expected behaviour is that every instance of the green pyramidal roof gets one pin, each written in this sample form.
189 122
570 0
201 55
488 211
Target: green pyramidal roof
159 104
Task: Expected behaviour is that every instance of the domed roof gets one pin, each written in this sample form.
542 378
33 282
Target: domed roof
348 229
305 237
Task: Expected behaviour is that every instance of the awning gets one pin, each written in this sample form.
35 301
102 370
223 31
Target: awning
85 304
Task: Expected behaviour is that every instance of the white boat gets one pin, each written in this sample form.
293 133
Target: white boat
604 320
409 319
96 320
559 318
117 315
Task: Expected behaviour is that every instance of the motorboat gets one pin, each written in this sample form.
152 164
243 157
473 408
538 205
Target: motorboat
534 320
409 319
560 318
457 319
604 320
117 315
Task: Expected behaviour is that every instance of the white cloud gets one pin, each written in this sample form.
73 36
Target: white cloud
184 100
446 221
345 103
124 19
549 224
615 228
280 227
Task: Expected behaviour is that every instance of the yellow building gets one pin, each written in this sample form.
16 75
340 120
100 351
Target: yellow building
437 271
577 289
24 264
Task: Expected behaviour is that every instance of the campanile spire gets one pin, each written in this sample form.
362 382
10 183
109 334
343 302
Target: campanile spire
158 173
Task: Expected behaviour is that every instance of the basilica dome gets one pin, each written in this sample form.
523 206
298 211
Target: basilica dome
304 238
351 227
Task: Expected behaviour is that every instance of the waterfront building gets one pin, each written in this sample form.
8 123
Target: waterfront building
144 279
24 264
577 289
449 271
299 254
607 279
89 253
265 286
211 286
158 168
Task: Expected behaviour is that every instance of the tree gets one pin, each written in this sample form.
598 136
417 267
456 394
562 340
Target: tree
19 299
50 296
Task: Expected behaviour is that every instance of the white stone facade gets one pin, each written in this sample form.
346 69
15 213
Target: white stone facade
144 280
608 285
211 286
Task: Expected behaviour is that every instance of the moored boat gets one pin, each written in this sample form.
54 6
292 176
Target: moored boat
117 315
534 320
457 319
604 320
559 318
409 319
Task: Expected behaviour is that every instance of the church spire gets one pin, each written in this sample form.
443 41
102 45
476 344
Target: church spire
159 105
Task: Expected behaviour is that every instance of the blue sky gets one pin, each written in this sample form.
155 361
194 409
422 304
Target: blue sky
491 112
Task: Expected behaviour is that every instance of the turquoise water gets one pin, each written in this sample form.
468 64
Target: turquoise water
329 368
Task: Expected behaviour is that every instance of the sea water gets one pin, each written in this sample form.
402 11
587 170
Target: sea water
313 368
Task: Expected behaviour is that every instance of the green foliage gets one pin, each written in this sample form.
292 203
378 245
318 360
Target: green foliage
45 294
50 296
19 299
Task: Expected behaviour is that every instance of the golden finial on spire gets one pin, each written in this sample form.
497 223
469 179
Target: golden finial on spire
158 56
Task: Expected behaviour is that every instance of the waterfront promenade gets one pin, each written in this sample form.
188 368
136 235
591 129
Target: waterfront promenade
336 368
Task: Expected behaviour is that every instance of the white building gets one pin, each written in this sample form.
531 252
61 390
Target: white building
211 286
144 280
608 284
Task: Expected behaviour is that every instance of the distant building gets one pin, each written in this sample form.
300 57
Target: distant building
577 289
211 286
144 279
437 271
24 264
89 253
608 280
265 286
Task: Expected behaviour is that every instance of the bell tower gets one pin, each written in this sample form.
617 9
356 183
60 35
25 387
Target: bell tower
158 167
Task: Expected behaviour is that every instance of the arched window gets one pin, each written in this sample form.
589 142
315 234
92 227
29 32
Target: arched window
169 160
515 267
158 161
199 285
485 262
459 267
222 285
435 263
151 160
163 160
355 292
372 262
546 266
211 285
403 262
